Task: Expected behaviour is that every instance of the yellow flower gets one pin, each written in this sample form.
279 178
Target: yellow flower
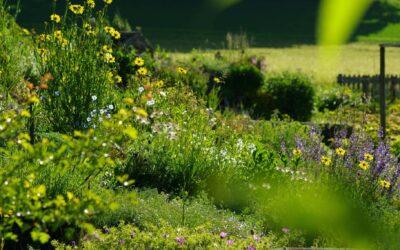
142 71
118 79
107 1
297 152
58 35
141 112
129 100
181 70
340 151
368 157
109 29
44 37
363 165
107 49
77 9
384 184
110 76
217 80
139 61
159 84
116 34
55 18
91 4
327 161
109 58
91 33
41 51
87 26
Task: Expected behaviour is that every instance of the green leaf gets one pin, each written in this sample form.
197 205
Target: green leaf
42 237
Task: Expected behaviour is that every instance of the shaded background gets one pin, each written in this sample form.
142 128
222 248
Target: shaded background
183 24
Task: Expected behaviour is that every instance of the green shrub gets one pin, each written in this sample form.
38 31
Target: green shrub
241 85
290 93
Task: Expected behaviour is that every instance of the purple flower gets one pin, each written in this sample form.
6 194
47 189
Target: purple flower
73 243
164 235
223 235
251 247
285 230
180 241
106 230
132 235
121 241
230 242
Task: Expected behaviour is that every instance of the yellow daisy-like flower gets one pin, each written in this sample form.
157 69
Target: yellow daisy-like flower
42 51
91 33
58 35
181 70
77 9
139 61
109 58
91 4
340 151
107 1
363 165
159 84
217 80
116 34
142 71
297 152
44 37
55 18
384 184
327 161
118 79
368 157
109 29
107 49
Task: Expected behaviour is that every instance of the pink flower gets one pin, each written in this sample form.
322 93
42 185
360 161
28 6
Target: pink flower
230 242
223 235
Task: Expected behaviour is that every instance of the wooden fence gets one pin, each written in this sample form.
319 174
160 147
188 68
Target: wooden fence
369 85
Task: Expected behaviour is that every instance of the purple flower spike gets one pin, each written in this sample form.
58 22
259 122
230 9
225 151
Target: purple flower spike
223 235
121 241
230 242
285 230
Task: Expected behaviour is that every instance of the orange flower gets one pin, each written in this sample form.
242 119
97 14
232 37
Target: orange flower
43 86
30 86
47 77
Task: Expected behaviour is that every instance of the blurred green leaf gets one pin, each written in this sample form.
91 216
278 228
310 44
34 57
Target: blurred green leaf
338 19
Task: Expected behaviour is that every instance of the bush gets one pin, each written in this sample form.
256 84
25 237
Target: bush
289 93
241 85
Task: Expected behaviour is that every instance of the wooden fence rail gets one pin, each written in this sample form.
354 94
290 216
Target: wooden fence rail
369 85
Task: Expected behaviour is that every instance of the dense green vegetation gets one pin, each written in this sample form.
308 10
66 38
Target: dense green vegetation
102 147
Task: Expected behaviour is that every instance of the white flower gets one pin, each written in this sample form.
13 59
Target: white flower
141 89
151 102
100 119
111 106
108 116
163 93
88 119
101 111
57 93
94 98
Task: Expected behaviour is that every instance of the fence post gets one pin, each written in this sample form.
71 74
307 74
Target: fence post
382 93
